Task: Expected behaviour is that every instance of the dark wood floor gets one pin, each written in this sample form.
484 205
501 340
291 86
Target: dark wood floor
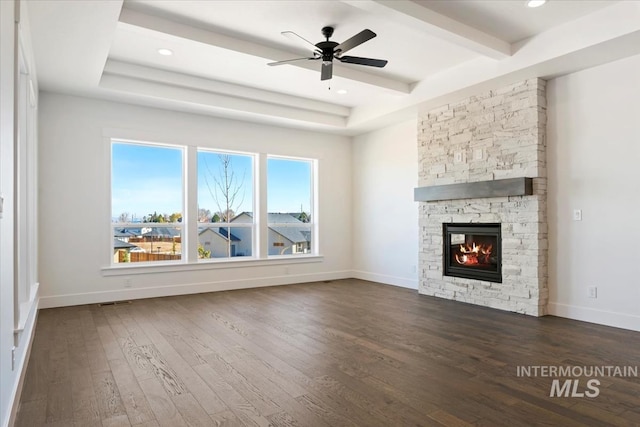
345 353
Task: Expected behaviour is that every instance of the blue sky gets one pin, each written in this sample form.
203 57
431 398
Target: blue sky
147 179
288 185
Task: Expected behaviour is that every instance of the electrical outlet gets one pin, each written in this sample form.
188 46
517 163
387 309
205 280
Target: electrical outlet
477 154
577 214
127 282
592 292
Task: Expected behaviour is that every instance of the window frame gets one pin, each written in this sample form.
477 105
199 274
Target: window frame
313 202
181 226
230 225
189 224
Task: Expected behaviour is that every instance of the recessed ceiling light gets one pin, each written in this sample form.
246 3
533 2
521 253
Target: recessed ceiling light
341 91
165 52
536 3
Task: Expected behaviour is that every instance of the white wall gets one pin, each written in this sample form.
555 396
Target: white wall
74 198
594 165
385 217
18 306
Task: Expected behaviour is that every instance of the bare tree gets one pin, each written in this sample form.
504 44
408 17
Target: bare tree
204 215
226 190
226 216
124 217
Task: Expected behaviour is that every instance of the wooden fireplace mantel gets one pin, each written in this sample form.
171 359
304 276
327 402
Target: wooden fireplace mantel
475 190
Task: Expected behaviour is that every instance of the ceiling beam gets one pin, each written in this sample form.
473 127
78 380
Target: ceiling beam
141 72
176 29
424 19
205 95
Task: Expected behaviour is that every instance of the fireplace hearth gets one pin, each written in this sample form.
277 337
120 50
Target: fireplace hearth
472 251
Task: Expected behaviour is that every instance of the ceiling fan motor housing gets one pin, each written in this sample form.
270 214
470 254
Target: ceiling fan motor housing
327 32
327 49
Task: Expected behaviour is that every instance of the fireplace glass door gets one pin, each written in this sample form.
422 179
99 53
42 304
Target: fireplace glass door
473 251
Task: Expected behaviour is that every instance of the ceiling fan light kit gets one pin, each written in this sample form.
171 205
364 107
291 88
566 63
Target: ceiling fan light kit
328 50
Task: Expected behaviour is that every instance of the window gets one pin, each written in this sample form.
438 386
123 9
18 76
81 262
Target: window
26 190
184 204
146 202
226 226
289 206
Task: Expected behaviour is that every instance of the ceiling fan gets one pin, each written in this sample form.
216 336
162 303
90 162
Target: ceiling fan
327 51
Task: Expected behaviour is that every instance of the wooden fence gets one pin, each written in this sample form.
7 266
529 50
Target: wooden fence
146 256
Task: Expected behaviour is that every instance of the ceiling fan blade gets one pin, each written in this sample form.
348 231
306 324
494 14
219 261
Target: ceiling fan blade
327 70
363 61
299 39
287 61
354 41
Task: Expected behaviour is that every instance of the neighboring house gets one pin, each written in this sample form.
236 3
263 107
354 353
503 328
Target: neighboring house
124 234
162 233
288 240
215 240
287 234
120 245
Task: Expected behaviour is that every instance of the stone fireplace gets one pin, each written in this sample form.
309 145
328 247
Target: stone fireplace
482 161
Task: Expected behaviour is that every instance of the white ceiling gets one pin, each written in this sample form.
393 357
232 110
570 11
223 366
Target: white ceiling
437 51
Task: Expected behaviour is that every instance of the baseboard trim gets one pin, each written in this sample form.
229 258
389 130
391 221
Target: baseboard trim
185 289
591 315
387 280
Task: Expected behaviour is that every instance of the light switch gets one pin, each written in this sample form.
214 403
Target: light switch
577 215
457 157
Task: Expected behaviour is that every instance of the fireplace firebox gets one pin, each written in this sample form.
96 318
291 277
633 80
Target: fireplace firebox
472 251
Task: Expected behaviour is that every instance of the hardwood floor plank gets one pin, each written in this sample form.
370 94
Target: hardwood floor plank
138 362
263 402
209 400
448 419
32 413
108 396
302 414
191 410
36 381
225 419
161 404
324 412
240 406
109 343
134 330
342 353
117 421
133 398
172 384
85 403
152 423
282 419
59 403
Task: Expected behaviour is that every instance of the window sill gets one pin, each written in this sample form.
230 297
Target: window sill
160 267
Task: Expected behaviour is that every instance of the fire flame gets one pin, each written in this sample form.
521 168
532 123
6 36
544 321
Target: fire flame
474 254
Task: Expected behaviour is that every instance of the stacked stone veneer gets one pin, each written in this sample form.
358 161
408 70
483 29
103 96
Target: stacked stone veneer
506 128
